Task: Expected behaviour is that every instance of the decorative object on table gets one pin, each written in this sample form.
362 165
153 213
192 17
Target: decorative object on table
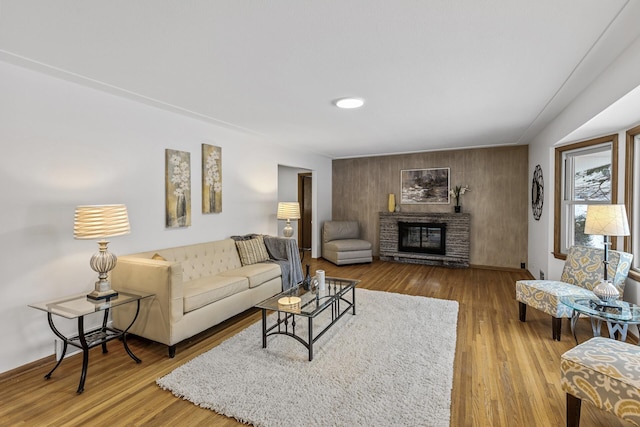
392 202
211 179
288 211
537 193
290 303
290 300
177 188
457 192
606 220
306 283
424 186
606 306
99 222
320 276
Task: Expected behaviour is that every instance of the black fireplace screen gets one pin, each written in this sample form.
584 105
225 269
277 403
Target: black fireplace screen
422 237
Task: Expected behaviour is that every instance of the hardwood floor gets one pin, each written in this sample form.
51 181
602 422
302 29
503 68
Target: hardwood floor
506 373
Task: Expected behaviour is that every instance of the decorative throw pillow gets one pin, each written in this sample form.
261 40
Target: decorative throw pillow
252 251
158 257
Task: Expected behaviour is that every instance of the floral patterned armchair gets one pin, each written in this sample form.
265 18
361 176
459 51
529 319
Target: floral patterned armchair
582 271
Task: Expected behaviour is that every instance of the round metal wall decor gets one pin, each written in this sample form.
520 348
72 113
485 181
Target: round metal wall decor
537 193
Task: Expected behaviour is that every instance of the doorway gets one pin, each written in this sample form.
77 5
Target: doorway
305 200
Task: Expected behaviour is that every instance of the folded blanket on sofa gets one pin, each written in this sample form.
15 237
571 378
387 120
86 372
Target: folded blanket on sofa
284 252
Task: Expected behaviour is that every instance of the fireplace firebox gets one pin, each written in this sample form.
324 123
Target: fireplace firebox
421 237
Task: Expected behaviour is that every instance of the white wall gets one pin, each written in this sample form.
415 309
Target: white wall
66 144
620 78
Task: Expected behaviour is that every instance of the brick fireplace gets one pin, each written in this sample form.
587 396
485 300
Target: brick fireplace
453 227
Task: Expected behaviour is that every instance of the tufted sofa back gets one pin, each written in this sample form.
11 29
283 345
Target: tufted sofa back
200 259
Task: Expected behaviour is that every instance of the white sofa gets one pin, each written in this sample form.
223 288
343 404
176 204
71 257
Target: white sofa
195 286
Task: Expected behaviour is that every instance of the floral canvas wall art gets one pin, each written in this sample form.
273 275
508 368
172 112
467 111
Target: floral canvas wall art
178 188
211 179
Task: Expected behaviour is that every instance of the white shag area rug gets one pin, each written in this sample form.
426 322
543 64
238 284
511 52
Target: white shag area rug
389 365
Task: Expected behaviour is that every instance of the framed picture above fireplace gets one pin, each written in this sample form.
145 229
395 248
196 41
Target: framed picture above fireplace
424 186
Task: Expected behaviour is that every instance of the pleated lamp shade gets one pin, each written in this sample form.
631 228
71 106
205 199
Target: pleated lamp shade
288 210
99 221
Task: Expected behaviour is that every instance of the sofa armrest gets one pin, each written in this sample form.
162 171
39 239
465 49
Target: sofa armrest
162 278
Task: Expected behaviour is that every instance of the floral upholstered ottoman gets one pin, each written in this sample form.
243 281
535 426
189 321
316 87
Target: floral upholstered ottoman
606 373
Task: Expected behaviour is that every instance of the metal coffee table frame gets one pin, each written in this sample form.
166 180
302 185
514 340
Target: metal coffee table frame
311 305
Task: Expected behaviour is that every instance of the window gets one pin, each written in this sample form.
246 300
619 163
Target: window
632 199
586 174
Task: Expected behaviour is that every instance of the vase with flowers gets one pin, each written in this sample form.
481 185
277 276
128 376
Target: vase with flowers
457 192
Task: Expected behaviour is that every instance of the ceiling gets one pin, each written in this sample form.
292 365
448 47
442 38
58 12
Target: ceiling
435 74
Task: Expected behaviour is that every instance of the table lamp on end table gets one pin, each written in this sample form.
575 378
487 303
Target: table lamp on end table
288 211
98 222
606 220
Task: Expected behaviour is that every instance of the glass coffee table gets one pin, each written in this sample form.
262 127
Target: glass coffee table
618 315
298 302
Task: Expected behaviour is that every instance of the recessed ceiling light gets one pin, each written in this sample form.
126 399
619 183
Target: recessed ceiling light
349 102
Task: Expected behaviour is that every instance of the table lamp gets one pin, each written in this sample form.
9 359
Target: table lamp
98 222
288 211
607 220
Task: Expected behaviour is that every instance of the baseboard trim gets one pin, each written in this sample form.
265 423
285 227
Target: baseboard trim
493 267
36 364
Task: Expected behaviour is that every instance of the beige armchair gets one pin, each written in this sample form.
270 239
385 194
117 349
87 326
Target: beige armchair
341 243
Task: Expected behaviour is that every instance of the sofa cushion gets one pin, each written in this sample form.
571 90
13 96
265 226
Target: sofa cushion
347 245
545 295
252 251
200 292
257 274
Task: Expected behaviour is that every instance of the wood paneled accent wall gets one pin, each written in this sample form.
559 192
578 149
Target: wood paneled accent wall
498 200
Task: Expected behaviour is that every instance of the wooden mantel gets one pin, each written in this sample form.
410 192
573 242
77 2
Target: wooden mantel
457 238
